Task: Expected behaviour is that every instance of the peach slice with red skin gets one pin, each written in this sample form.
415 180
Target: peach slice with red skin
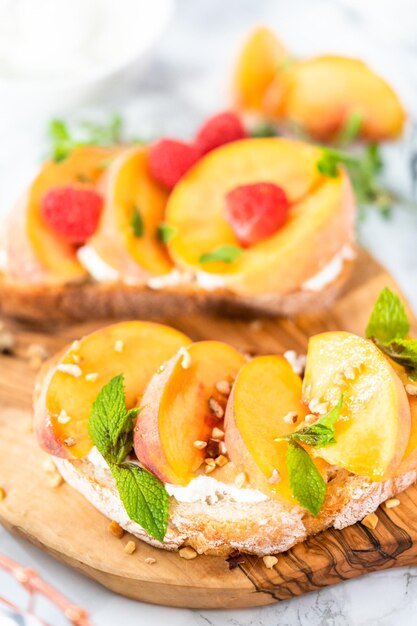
175 410
128 187
265 395
319 224
320 94
134 349
35 252
373 430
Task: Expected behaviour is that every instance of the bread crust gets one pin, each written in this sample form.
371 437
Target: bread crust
56 303
260 528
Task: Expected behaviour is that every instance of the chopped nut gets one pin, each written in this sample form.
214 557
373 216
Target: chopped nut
76 345
56 480
70 368
36 354
200 445
223 387
209 468
150 561
310 418
187 553
210 462
119 345
297 361
349 372
69 442
240 480
270 561
217 433
213 448
322 408
92 377
274 478
391 503
222 448
7 343
313 403
411 390
215 407
290 418
49 466
370 521
160 369
116 529
63 417
2 494
221 460
185 358
130 547
75 357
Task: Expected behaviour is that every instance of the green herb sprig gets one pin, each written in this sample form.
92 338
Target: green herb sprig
225 254
111 430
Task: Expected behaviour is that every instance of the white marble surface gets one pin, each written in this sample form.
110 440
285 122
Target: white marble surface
186 78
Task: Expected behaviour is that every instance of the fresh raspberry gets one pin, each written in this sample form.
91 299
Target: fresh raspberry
218 130
256 211
169 160
73 213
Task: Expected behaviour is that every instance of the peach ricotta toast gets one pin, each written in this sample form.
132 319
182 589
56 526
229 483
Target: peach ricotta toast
194 445
227 220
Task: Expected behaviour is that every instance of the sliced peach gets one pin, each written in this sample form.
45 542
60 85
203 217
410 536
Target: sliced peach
257 65
128 189
374 427
319 95
319 224
265 395
134 349
177 409
37 253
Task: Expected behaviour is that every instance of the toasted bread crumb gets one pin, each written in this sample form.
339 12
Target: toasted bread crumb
217 433
55 480
185 358
221 460
290 418
370 521
391 503
150 561
130 547
200 445
215 407
187 553
91 377
115 529
411 390
2 494
223 387
118 346
269 561
274 478
70 368
49 466
63 417
240 480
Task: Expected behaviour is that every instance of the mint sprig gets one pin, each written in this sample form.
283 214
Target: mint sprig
321 433
225 254
136 222
111 429
388 327
166 232
306 482
64 140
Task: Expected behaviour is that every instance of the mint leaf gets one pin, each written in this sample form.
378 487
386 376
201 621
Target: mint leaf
166 232
351 128
110 424
144 497
226 254
388 319
320 434
306 482
328 164
403 352
264 129
136 223
61 139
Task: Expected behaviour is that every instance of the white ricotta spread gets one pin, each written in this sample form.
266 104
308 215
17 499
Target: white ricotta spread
329 272
96 267
3 260
208 281
199 489
174 278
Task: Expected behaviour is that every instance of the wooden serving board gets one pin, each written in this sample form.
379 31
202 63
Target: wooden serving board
63 523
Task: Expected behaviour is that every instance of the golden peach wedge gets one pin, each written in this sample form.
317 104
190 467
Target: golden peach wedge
374 426
319 223
134 206
134 349
320 94
265 404
180 408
